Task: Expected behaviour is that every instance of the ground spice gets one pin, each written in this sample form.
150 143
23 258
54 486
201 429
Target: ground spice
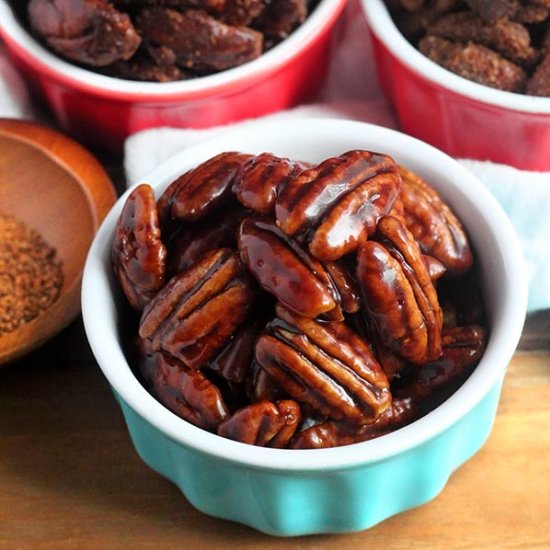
31 275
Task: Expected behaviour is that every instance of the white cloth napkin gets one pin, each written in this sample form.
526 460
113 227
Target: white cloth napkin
350 91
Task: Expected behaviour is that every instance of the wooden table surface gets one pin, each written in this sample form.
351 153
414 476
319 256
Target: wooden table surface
70 478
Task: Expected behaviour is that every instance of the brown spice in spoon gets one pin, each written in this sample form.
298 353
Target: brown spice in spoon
31 275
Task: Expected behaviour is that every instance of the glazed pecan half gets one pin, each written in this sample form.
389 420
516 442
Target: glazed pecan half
433 224
197 311
334 433
260 180
187 393
202 190
265 424
138 253
284 269
336 205
398 293
325 366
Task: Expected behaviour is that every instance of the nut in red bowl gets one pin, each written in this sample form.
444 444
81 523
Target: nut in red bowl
102 110
461 117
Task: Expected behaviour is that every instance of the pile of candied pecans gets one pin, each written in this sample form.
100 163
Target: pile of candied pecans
290 305
164 40
504 44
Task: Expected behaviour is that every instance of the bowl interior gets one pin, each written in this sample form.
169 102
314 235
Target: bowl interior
313 140
38 188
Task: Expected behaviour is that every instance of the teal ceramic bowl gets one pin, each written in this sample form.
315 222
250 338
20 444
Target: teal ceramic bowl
297 492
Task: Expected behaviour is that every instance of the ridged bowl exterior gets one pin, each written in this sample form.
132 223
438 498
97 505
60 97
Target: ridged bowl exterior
434 109
300 502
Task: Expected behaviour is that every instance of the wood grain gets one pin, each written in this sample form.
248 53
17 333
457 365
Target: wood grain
69 477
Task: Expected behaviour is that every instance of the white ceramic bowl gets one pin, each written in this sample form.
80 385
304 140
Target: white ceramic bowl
294 492
461 117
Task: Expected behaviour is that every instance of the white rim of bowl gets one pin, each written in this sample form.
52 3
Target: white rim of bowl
323 14
383 26
103 338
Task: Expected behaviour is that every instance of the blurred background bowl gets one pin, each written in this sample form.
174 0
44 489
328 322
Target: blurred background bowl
461 117
102 111
56 187
342 489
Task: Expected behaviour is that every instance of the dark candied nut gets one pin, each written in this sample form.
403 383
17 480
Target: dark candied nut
197 311
264 424
199 41
462 351
285 270
202 190
398 293
280 18
433 224
138 254
325 366
339 202
435 268
92 32
191 241
493 10
509 38
241 13
144 69
258 182
187 393
209 6
539 83
261 387
235 359
333 433
344 281
532 13
474 62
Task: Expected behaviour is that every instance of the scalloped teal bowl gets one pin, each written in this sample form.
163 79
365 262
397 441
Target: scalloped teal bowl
344 489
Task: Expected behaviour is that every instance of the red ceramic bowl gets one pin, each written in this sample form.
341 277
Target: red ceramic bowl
103 111
463 118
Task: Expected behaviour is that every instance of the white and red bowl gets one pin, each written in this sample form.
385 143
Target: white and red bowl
463 118
103 111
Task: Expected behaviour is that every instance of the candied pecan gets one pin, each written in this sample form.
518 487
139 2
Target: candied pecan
187 393
190 242
202 190
433 224
265 424
334 433
509 38
324 365
344 281
474 62
539 83
260 179
92 32
532 13
197 311
209 6
241 13
138 254
339 202
261 387
198 40
144 69
279 19
462 348
235 359
398 293
493 10
285 270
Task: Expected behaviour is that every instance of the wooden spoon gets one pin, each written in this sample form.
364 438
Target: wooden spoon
55 186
